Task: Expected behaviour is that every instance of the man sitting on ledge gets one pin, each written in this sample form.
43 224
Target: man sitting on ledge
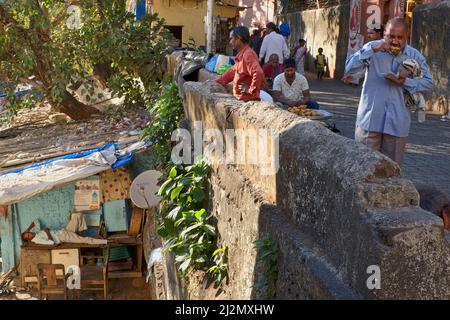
67 235
291 88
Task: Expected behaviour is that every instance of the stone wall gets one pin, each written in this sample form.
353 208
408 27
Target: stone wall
322 28
431 36
334 206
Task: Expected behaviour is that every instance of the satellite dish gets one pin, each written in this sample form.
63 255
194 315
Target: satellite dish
144 189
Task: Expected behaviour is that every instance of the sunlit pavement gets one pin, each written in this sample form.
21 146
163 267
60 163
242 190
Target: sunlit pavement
427 158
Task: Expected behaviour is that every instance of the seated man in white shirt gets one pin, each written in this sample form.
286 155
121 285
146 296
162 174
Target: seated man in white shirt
290 88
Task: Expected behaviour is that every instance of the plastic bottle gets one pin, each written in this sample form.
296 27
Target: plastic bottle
421 116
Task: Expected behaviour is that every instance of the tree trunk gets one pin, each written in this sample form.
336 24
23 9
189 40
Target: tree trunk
74 108
102 72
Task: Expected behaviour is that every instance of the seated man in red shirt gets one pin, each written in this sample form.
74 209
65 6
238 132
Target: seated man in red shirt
246 74
271 70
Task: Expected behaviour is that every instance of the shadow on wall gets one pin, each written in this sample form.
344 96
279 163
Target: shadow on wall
432 40
297 26
289 268
332 216
337 21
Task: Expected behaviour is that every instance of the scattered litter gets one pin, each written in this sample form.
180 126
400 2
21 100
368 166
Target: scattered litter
155 257
133 133
41 133
58 118
23 296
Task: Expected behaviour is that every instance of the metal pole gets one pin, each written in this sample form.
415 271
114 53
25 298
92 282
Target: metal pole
209 21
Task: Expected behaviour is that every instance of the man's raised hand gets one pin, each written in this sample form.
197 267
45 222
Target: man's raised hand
381 47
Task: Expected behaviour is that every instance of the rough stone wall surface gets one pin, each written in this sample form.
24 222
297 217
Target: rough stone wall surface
172 61
334 206
322 28
431 36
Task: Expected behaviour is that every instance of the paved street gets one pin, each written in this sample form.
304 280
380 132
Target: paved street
428 151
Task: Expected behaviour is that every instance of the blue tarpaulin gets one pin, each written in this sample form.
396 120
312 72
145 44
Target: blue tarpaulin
69 156
17 185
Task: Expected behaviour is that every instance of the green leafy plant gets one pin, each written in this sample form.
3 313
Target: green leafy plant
267 255
108 47
219 270
184 219
191 45
167 113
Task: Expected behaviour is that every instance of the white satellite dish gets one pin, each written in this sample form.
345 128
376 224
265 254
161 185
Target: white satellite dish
144 189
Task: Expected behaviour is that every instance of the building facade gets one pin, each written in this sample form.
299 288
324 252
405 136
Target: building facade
339 26
186 19
257 14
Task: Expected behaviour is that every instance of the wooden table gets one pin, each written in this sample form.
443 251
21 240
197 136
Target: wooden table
31 254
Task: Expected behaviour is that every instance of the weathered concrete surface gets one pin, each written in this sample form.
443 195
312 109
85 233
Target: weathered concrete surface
235 201
334 206
427 158
172 61
431 36
322 28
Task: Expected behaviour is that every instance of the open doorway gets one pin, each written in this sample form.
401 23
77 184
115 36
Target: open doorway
177 32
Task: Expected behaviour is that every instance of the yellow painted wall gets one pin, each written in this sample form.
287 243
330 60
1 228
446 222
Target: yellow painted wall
190 15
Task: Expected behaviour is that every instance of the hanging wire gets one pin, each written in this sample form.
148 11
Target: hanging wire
288 6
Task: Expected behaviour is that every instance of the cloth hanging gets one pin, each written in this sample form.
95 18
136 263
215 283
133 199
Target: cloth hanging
115 184
77 223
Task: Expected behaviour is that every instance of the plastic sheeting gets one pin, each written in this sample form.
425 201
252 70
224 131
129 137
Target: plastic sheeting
24 183
155 257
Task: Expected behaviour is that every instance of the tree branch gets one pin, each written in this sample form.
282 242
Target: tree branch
6 18
64 15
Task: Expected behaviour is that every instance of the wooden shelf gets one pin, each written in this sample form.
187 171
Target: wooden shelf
124 274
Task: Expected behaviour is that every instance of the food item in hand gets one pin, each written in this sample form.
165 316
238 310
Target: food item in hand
303 111
395 49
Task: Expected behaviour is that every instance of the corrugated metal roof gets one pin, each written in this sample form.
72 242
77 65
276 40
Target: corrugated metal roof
39 134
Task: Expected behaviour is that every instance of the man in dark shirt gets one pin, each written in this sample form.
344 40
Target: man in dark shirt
256 41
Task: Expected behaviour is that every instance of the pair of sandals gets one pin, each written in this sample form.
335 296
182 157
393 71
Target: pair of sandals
4 290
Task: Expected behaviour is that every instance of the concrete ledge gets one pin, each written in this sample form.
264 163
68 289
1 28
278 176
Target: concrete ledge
334 206
348 202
